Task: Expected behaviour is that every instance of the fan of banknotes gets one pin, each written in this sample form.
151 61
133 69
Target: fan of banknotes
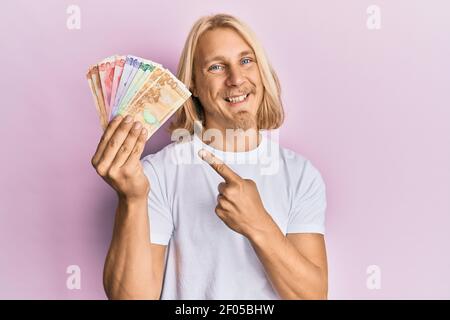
123 85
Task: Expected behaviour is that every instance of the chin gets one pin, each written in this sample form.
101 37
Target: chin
243 120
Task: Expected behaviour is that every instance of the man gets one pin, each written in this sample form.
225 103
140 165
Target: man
220 227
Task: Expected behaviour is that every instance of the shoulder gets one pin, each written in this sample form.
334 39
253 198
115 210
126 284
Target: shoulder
299 166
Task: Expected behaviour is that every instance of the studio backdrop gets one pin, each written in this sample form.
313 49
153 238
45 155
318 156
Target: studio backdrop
366 92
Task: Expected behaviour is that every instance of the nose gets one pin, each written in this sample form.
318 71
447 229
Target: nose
235 77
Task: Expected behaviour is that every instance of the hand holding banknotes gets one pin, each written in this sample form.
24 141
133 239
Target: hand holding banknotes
127 89
117 159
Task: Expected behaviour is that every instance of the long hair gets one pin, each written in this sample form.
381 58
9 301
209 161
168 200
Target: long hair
270 114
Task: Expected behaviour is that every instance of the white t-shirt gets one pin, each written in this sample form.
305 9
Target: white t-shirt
205 259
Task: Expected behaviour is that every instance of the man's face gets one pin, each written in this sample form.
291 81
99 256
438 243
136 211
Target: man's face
227 80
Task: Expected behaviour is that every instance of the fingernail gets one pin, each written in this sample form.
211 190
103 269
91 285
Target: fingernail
128 119
144 131
137 125
117 118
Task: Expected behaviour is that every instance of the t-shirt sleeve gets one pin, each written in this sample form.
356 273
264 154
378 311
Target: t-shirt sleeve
307 213
160 216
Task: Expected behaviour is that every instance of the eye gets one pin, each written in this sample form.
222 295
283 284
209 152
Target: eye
215 67
246 60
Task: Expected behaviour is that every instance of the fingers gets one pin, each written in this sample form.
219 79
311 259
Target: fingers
221 187
127 146
223 203
227 192
138 148
113 144
105 139
221 168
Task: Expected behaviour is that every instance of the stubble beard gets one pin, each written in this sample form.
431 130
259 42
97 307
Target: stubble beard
243 120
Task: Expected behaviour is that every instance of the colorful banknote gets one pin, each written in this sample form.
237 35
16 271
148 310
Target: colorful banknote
118 71
131 85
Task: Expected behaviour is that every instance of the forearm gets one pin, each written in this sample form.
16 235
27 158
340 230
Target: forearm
292 275
128 270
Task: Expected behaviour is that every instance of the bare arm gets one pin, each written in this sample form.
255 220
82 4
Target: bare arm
296 264
134 267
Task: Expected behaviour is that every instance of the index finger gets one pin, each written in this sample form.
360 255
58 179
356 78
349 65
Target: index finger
221 168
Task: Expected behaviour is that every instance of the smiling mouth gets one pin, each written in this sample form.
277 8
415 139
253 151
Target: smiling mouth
234 100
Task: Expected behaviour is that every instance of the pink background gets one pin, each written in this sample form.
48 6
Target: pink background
369 108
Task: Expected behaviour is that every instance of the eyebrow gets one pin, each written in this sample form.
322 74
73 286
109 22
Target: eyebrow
243 53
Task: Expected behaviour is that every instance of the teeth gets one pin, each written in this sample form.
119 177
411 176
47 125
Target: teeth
237 99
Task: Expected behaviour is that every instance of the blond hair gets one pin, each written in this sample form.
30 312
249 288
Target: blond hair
270 114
